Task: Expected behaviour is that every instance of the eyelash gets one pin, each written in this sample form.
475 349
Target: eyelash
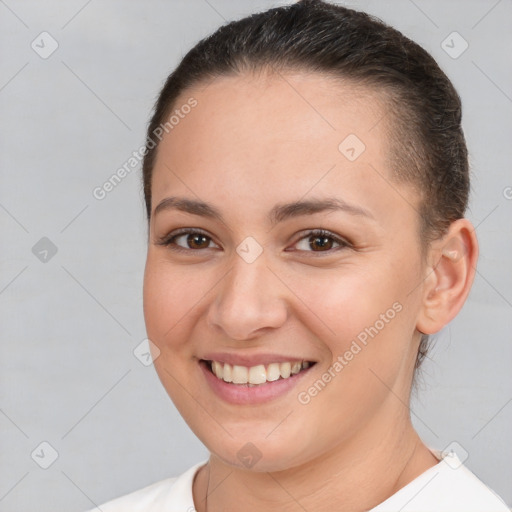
169 241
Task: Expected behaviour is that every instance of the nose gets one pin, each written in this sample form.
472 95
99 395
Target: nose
250 301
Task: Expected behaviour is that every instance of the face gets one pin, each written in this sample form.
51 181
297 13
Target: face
248 279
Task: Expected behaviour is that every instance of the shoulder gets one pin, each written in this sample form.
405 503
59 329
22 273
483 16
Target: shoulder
173 492
449 487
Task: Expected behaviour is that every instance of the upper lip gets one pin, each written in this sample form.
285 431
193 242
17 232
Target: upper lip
252 359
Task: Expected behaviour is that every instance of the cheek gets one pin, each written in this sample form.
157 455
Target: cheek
170 293
368 347
348 300
171 296
365 319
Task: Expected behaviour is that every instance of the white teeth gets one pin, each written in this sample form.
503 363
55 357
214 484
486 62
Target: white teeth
273 372
296 368
240 374
257 374
227 373
218 369
285 370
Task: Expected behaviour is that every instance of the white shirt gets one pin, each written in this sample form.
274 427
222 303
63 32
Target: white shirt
446 487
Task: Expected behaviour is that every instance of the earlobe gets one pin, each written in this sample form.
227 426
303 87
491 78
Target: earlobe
450 276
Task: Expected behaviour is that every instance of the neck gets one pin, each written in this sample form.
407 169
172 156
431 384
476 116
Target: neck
356 475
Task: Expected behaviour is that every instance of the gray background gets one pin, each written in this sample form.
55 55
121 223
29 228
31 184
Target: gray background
70 324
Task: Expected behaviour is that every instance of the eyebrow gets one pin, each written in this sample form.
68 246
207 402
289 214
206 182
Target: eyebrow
279 212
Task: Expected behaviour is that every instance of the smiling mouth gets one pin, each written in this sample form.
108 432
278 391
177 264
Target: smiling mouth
256 375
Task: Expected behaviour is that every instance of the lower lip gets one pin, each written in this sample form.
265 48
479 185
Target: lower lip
241 394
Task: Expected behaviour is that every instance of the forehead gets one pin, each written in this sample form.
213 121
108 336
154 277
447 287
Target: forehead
277 107
287 133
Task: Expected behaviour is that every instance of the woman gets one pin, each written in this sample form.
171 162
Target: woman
306 179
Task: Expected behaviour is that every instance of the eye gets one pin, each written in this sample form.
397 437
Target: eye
322 240
191 239
194 239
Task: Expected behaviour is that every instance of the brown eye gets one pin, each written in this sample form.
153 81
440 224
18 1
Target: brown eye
321 241
186 240
196 241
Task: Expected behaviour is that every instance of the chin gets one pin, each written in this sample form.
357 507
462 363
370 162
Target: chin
259 455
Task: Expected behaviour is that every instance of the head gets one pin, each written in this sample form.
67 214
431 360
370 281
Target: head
302 104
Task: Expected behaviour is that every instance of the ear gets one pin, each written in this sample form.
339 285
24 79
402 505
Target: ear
450 273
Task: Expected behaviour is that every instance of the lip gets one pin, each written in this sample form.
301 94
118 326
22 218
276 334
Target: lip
252 359
241 394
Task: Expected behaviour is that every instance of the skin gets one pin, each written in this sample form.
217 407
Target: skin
250 143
